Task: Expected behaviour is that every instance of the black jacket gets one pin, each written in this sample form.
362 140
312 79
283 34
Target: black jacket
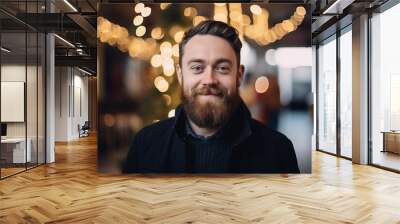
161 148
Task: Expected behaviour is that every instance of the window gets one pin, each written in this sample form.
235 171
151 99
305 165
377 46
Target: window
385 89
327 96
346 93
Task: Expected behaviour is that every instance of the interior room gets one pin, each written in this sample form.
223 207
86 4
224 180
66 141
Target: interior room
81 78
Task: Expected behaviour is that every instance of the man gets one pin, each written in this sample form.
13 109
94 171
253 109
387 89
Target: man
212 131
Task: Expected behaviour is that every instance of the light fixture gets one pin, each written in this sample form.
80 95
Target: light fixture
337 7
84 71
64 40
5 50
79 51
70 5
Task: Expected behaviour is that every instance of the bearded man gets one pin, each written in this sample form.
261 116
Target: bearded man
212 131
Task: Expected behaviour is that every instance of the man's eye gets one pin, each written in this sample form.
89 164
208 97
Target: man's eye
197 69
223 69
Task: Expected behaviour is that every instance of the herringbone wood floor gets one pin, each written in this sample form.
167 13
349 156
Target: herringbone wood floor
71 191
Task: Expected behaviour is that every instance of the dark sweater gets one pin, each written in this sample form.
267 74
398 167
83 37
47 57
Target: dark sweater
163 148
211 154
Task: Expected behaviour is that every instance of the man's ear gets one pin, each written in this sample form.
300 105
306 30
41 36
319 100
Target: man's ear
240 75
179 73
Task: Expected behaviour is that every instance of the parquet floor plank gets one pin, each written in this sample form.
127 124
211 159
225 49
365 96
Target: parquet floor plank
71 191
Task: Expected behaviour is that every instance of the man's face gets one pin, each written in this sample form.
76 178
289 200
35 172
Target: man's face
210 77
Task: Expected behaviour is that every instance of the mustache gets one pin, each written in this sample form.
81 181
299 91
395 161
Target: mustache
209 90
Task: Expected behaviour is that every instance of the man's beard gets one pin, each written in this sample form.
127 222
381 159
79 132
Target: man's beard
211 113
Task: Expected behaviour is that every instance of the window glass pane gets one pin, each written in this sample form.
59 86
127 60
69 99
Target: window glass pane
31 97
327 97
385 84
14 153
41 98
346 94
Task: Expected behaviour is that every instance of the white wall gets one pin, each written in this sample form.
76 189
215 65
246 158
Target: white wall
33 126
71 93
16 73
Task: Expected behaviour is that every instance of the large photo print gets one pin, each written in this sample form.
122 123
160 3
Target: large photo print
204 88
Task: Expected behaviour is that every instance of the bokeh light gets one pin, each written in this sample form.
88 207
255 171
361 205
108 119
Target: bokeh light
161 84
261 85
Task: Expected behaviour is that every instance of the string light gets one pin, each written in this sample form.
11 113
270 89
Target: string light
119 37
179 36
255 9
161 84
198 19
190 12
259 31
138 20
163 6
139 7
157 33
140 31
146 12
175 50
156 60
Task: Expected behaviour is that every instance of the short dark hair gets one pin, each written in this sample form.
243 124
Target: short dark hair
215 28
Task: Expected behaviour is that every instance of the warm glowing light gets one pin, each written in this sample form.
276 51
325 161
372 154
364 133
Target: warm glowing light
156 60
255 9
187 11
157 33
174 29
161 84
179 36
164 5
261 85
140 31
190 12
198 19
166 52
167 61
171 113
169 70
118 36
137 20
221 17
287 26
246 20
301 11
167 99
165 45
139 7
220 4
146 11
235 16
175 50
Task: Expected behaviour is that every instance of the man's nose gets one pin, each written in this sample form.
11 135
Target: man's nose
209 77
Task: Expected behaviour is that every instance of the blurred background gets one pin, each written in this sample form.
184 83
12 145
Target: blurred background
137 84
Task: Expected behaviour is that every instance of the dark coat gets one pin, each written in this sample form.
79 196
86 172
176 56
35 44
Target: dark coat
161 148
